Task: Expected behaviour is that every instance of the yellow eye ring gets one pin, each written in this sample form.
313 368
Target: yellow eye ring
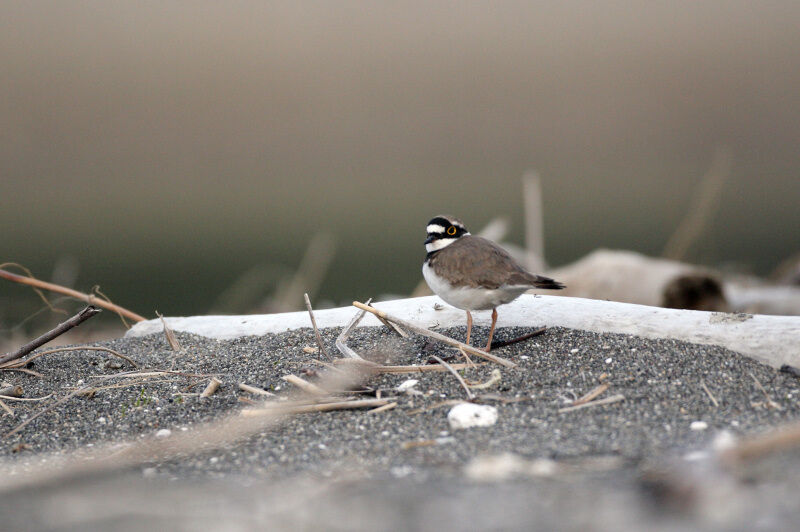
451 230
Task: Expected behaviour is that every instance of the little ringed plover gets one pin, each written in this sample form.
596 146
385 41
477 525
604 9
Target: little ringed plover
473 273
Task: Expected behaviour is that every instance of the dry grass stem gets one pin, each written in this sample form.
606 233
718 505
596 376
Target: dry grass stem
406 446
708 392
458 377
254 390
283 408
436 336
309 388
6 408
383 408
88 298
608 400
340 341
316 329
593 394
26 399
211 388
20 363
372 367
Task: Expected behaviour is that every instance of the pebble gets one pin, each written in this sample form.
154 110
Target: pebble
698 425
468 415
163 433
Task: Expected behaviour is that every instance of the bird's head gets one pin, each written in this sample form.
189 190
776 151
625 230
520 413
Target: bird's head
443 231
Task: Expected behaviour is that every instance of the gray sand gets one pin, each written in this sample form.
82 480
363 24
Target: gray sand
662 382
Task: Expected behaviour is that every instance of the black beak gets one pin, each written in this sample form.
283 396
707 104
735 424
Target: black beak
430 239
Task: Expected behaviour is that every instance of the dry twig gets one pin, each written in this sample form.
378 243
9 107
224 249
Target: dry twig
74 321
309 388
88 298
252 389
708 392
20 363
594 393
436 336
213 386
282 408
340 341
770 402
172 340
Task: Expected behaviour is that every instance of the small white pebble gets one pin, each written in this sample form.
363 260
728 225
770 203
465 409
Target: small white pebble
213 460
734 423
444 433
698 425
524 357
164 433
101 420
184 429
574 351
385 433
407 385
609 360
322 446
467 415
695 456
723 441
149 472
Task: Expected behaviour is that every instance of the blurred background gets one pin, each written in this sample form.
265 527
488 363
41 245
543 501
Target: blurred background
184 155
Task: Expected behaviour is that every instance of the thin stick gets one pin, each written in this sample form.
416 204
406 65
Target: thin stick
593 394
60 349
606 401
466 357
88 298
316 329
252 389
309 388
213 386
321 407
340 341
6 408
26 399
436 336
708 392
499 344
74 321
493 379
383 408
458 377
172 340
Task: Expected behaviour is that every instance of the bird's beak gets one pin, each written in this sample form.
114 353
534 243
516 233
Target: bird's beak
429 239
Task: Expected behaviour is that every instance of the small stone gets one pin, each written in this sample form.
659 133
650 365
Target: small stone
467 415
407 385
574 351
609 360
101 420
149 472
164 433
698 425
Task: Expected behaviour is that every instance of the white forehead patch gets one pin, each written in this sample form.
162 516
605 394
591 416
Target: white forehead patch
435 228
436 245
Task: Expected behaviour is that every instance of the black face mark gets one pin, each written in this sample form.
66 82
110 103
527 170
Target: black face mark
451 230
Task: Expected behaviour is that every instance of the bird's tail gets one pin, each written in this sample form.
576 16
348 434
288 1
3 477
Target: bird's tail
540 281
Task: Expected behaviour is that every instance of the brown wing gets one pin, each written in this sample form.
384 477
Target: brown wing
475 261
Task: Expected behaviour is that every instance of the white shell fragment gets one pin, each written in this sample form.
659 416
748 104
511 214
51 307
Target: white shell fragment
164 433
407 385
468 415
698 425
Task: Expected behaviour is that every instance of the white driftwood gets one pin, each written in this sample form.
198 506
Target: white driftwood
631 277
774 340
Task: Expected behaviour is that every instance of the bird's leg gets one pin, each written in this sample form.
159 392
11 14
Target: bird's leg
469 326
491 331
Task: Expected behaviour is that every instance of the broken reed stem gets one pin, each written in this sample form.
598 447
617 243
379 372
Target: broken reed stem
254 390
213 386
470 395
436 336
74 321
383 408
606 401
495 377
172 340
316 329
88 298
309 388
770 402
340 341
320 407
20 363
593 394
708 392
6 408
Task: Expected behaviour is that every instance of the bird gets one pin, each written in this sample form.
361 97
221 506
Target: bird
472 273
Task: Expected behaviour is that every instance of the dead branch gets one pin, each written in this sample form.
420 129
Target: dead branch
88 298
436 336
74 321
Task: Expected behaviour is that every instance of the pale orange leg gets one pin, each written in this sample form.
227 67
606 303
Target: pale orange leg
469 326
491 331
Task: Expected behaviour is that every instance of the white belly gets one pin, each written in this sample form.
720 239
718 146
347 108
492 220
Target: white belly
470 298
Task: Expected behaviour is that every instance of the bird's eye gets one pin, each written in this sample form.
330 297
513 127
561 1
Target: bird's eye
451 230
